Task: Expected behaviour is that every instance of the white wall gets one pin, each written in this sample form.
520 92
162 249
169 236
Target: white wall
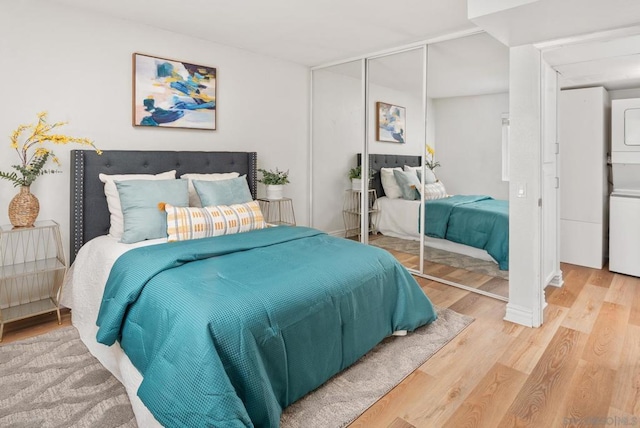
338 135
77 66
431 123
468 140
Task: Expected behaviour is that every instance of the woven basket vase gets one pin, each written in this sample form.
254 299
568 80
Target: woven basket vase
24 208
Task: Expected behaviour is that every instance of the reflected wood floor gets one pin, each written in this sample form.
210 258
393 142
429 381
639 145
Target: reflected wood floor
475 280
480 281
583 363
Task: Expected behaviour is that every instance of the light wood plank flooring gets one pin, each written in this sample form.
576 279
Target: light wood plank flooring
580 367
34 326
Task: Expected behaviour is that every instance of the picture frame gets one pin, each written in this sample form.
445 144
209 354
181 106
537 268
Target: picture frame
173 94
391 123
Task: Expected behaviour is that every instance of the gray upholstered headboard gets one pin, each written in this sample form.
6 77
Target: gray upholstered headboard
89 212
377 161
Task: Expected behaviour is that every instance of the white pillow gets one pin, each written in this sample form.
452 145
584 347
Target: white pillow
113 197
415 169
429 178
194 199
389 183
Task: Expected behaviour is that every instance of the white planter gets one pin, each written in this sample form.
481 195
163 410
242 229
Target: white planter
356 184
274 191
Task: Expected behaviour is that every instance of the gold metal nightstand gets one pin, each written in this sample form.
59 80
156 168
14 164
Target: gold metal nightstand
32 268
352 210
278 211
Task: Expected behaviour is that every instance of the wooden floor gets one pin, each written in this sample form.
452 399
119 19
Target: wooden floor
580 367
30 327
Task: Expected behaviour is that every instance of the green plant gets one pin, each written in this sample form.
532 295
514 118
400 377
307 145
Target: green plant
357 172
271 177
33 156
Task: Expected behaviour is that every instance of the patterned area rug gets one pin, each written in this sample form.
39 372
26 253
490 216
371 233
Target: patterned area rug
441 256
349 394
53 381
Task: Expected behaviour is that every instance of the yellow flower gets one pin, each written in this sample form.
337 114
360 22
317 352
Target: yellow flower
33 160
430 161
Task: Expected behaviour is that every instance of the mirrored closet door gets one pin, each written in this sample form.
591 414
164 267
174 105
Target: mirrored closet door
467 223
407 155
396 145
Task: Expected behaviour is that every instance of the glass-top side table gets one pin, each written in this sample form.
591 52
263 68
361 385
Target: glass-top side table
278 211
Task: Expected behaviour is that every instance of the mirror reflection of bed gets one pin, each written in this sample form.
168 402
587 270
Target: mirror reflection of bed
459 229
466 111
459 112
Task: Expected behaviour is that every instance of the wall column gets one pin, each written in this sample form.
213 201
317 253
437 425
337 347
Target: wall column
526 297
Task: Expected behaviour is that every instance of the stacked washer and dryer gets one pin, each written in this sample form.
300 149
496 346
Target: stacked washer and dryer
624 215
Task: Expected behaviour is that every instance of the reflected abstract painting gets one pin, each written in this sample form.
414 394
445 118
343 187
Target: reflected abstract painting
391 122
173 94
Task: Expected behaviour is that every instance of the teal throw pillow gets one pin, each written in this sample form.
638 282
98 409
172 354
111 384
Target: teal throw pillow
223 192
409 184
140 198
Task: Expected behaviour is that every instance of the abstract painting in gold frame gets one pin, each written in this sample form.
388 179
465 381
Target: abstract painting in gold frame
173 94
391 123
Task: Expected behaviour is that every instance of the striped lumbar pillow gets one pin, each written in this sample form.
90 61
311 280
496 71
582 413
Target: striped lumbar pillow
434 191
194 223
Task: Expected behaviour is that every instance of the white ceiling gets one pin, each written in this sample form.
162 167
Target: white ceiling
534 21
302 31
473 65
610 59
467 66
313 32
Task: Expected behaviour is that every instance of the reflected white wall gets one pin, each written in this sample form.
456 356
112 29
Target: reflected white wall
468 135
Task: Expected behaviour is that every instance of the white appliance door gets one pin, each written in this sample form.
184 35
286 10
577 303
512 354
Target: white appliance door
624 235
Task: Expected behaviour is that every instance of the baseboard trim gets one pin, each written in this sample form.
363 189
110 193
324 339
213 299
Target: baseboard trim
519 315
557 280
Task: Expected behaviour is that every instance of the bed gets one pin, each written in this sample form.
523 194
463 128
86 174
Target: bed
473 225
225 331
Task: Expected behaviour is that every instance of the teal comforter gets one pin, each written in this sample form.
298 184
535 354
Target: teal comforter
228 331
477 221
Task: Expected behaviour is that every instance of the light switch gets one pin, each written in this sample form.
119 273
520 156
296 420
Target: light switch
521 190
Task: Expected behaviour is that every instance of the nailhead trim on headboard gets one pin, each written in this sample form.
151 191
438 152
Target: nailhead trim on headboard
89 214
253 165
77 208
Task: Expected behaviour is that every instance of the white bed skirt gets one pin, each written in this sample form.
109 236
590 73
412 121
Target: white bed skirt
82 293
399 218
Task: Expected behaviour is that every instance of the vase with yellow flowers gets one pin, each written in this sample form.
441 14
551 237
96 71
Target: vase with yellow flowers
28 141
